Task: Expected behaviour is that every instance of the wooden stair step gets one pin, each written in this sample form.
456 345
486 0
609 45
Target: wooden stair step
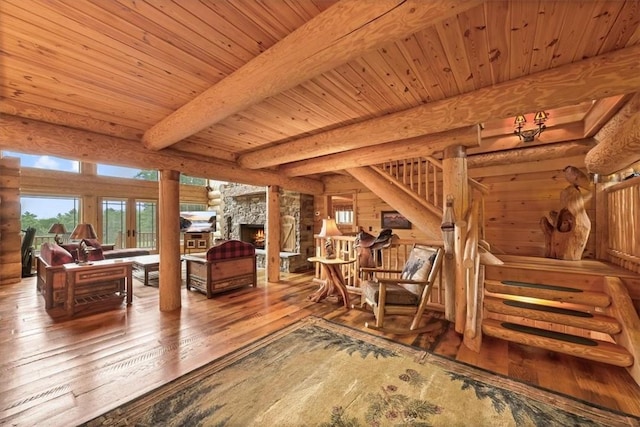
587 348
548 292
563 316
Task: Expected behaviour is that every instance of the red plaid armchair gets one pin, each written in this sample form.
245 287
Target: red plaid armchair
225 266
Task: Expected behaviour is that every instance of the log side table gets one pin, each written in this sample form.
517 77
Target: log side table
333 280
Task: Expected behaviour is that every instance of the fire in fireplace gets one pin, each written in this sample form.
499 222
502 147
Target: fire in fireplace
254 234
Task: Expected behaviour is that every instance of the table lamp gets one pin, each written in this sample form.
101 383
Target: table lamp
329 230
81 232
57 229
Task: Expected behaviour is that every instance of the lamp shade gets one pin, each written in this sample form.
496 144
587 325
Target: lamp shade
329 228
57 228
83 231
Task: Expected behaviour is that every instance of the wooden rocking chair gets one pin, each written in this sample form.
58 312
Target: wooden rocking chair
407 293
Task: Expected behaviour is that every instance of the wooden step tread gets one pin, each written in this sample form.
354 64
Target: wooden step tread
549 292
562 316
587 348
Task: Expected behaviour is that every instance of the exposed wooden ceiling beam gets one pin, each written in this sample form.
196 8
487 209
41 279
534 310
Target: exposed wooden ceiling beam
531 154
338 35
425 145
37 137
601 112
598 77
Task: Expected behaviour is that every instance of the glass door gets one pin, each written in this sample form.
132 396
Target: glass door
130 223
114 222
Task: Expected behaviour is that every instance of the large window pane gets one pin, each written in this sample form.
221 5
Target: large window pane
146 217
41 212
114 222
124 172
45 162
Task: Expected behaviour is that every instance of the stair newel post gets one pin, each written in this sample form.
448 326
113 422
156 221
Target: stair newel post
455 182
448 263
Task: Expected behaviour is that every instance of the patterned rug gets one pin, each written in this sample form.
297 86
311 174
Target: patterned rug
316 373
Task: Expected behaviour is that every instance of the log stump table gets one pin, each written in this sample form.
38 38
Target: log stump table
333 279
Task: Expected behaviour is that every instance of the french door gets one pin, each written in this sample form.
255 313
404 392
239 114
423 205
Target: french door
129 223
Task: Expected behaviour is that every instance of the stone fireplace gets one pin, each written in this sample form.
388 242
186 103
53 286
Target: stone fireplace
244 211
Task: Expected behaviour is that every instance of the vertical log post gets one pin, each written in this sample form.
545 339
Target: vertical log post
10 240
273 234
455 183
170 274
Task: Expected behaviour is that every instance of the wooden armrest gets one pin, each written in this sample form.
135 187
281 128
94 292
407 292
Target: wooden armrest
378 270
400 280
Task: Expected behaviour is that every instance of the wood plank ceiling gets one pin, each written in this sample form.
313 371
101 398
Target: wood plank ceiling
255 85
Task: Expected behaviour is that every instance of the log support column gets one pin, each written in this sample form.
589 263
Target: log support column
455 183
170 273
273 234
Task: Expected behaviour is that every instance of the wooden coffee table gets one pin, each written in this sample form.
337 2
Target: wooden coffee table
146 264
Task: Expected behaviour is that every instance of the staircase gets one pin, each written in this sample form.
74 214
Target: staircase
555 310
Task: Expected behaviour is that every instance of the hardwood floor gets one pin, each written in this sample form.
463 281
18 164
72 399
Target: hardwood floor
61 373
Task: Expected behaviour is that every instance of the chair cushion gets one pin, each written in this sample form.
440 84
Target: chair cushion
54 254
396 295
417 267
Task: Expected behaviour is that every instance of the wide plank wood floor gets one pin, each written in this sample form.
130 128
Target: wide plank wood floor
64 372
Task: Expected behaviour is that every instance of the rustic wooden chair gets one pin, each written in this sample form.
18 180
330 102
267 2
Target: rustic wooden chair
407 292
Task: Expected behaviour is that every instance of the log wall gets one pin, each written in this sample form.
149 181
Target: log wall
10 233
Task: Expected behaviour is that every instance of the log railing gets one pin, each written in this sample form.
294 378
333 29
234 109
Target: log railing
421 175
623 218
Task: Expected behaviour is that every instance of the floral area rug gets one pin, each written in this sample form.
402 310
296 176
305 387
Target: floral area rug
316 373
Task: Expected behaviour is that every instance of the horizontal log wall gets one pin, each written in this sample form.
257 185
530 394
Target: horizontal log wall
10 240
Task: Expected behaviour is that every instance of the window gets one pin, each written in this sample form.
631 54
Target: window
45 162
191 180
124 172
41 212
343 214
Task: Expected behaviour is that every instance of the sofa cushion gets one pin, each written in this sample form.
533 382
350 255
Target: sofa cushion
72 248
230 249
54 255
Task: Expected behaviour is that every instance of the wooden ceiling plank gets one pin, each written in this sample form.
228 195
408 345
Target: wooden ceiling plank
572 32
497 13
550 18
410 88
474 27
43 138
605 75
390 87
76 93
367 95
105 38
453 46
523 27
334 37
599 23
436 57
625 27
58 55
425 75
